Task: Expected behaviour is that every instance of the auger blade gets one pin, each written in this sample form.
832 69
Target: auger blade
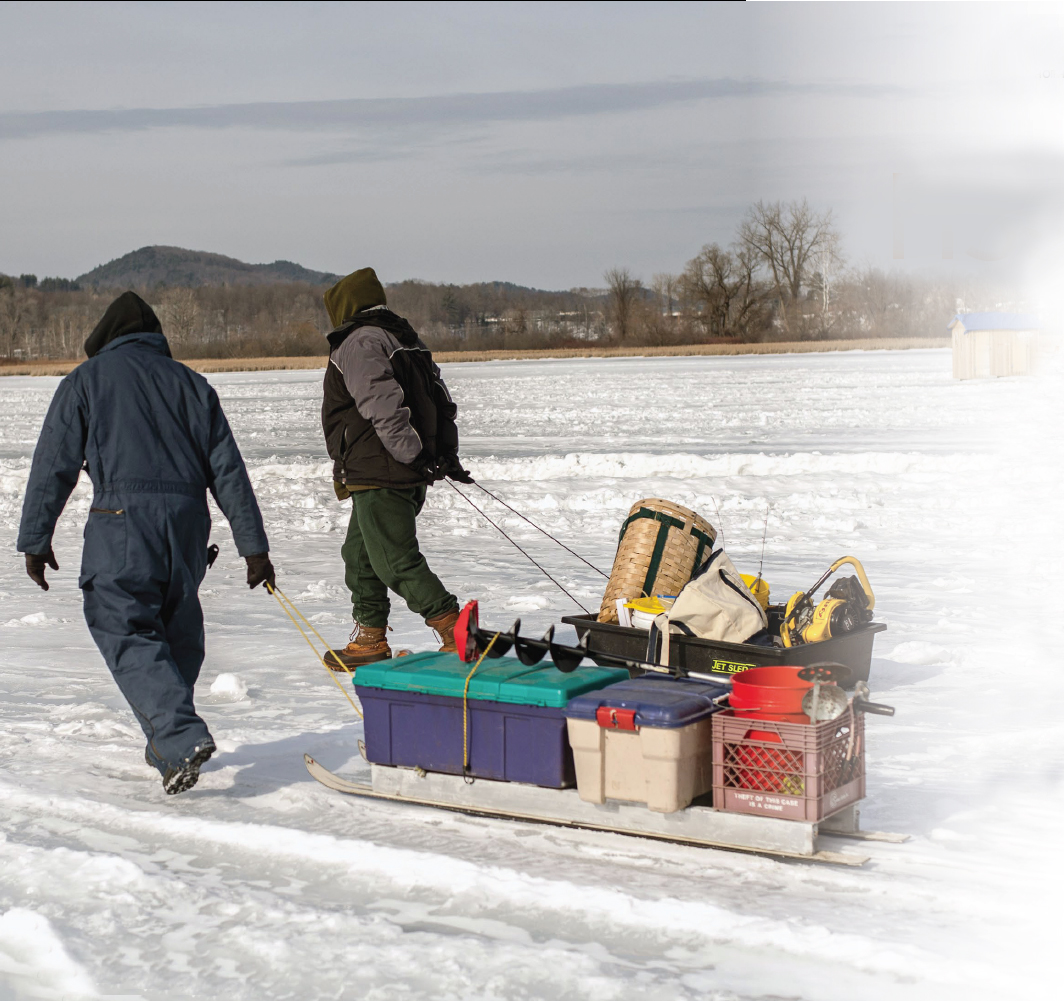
505 641
496 644
530 651
566 658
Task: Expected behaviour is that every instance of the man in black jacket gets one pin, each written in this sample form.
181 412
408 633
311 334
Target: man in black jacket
389 426
152 435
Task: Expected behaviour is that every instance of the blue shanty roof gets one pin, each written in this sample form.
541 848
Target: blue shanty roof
996 321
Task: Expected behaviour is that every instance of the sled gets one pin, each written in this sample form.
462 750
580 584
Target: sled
699 825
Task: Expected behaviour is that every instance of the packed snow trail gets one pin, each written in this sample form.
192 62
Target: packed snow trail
260 883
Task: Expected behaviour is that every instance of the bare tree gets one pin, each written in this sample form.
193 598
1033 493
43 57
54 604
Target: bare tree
827 264
724 288
178 313
624 292
667 288
787 240
12 315
659 321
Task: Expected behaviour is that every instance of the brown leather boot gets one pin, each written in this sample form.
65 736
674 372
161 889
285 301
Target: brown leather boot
444 626
368 645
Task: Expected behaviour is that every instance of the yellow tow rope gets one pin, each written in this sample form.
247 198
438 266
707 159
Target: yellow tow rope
288 605
465 705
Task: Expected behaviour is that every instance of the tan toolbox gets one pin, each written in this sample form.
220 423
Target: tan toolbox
646 740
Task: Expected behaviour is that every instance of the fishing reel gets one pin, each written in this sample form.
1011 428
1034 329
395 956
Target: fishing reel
847 606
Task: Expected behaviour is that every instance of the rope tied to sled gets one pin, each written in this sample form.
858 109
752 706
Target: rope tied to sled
287 604
465 708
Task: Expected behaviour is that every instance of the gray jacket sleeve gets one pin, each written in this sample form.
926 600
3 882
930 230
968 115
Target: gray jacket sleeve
56 466
365 361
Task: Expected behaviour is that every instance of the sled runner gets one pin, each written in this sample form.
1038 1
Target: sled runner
698 826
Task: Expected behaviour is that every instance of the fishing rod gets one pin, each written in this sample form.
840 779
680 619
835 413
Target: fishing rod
495 497
524 552
764 538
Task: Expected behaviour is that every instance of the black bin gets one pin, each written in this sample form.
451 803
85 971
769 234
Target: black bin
853 649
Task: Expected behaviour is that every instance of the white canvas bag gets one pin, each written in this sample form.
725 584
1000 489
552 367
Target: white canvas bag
714 605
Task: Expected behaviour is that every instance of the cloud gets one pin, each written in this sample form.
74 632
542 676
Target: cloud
448 110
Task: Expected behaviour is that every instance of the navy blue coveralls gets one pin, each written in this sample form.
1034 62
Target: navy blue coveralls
152 435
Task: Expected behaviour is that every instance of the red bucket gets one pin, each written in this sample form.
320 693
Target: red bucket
774 693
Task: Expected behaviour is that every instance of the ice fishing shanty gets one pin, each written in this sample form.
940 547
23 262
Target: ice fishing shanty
990 345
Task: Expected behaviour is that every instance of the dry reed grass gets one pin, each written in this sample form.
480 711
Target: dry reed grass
670 351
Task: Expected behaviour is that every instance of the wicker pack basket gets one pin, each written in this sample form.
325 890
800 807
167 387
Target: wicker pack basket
659 548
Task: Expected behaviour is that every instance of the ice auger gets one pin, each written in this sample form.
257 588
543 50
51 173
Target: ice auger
474 641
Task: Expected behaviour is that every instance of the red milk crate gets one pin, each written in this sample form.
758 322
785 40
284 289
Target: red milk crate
796 771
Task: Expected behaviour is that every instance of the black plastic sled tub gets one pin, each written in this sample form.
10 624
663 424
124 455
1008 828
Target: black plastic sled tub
852 649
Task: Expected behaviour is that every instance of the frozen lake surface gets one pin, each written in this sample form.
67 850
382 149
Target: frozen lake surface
262 884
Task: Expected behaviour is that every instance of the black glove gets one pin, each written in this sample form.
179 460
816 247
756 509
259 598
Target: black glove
260 570
212 555
451 467
35 564
425 466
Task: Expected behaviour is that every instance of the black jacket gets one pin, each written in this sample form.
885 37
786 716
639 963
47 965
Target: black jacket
386 407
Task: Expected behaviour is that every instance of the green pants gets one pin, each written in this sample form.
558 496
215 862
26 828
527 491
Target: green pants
381 552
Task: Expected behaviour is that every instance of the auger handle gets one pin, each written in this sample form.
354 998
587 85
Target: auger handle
876 708
861 576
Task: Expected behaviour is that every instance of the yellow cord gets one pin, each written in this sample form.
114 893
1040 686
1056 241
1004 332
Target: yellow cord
310 626
465 705
279 594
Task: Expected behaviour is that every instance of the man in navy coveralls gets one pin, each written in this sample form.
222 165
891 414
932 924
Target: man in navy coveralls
153 438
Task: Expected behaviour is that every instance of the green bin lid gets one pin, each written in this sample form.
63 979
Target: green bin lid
503 680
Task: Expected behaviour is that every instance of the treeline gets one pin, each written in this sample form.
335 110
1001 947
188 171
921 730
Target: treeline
286 319
782 278
205 322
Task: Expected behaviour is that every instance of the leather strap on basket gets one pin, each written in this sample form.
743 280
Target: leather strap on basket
667 521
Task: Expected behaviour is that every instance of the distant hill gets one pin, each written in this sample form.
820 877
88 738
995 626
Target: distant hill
174 266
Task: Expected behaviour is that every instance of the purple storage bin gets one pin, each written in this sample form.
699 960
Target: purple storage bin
510 742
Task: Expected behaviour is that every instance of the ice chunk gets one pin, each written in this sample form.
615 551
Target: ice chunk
33 619
528 602
229 688
34 961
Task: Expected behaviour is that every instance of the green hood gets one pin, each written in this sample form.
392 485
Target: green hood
359 290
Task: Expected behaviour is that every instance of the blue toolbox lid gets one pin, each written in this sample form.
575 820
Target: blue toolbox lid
504 679
654 701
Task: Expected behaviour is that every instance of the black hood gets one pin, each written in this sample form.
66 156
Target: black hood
383 318
128 314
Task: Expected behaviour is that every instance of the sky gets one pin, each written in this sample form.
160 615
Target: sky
535 143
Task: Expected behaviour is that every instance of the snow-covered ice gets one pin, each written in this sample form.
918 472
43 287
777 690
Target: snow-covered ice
262 884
